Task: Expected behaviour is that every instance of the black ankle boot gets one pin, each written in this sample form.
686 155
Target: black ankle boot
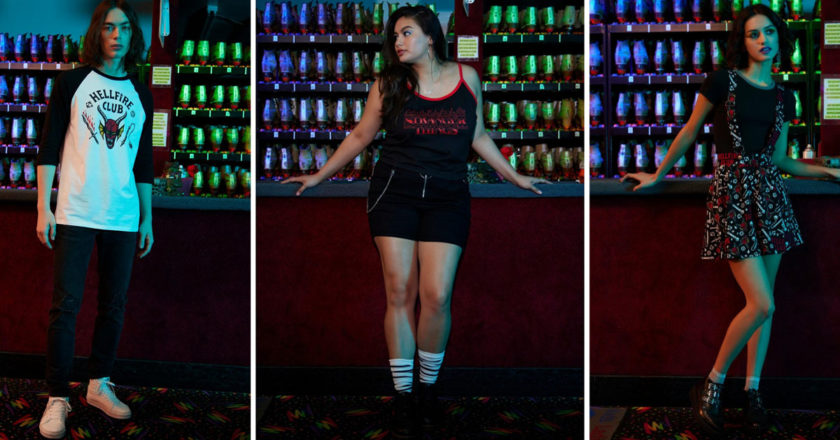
404 416
706 406
756 417
431 412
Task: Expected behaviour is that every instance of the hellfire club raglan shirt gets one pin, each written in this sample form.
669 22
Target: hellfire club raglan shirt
99 128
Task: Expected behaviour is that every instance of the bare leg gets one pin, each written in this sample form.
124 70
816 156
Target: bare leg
753 279
438 262
757 346
399 268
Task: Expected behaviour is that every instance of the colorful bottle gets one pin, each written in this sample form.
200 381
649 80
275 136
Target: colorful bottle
660 107
596 60
698 57
677 56
640 108
622 57
625 158
701 157
660 56
596 160
622 108
269 17
596 109
796 57
640 57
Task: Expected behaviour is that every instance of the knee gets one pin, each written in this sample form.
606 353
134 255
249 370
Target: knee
435 298
400 292
764 310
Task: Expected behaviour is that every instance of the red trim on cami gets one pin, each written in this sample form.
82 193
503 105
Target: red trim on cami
457 86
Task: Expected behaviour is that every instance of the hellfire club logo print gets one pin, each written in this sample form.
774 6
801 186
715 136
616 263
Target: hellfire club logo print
445 122
111 130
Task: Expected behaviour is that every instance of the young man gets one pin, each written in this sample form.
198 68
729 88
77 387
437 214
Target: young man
98 127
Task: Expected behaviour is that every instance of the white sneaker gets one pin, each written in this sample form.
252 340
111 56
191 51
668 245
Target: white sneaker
52 422
100 394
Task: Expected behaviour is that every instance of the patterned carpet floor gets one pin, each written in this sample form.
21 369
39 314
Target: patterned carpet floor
366 417
646 423
158 413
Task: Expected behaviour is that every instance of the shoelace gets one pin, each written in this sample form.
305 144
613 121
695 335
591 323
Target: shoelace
711 393
58 408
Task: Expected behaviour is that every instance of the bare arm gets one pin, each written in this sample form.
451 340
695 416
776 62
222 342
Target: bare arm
361 136
484 145
795 167
45 228
684 139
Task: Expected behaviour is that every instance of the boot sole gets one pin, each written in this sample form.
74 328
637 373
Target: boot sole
95 404
696 402
53 436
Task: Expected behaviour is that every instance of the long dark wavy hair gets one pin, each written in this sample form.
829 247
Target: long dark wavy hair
395 75
736 51
92 51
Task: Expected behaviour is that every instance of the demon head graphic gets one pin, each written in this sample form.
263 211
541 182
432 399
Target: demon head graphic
112 129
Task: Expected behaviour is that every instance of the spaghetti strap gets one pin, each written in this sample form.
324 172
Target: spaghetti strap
460 72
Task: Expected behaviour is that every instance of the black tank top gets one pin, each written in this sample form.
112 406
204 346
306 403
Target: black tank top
434 135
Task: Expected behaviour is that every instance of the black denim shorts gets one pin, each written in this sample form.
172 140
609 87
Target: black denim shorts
416 206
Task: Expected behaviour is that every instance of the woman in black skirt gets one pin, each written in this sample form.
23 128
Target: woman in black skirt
749 220
419 202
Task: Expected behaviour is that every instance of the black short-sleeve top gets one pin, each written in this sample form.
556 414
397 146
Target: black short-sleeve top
754 106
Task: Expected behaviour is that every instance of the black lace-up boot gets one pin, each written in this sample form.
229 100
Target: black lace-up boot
707 409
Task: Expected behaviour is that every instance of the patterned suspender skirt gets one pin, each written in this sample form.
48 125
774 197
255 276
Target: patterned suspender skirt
748 212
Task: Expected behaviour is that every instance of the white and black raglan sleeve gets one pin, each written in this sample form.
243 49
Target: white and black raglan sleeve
57 120
144 163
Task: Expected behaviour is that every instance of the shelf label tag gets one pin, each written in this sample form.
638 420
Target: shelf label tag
577 86
311 135
708 26
25 65
668 27
311 38
542 37
276 86
275 135
539 134
312 86
195 69
228 70
23 150
227 113
577 134
160 126
629 130
192 112
349 86
224 156
630 79
192 156
785 77
58 66
504 86
466 47
668 78
668 129
706 129
349 38
161 76
629 28
504 135
542 86
23 108
274 38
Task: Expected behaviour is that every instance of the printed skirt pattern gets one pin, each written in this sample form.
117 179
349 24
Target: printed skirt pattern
748 213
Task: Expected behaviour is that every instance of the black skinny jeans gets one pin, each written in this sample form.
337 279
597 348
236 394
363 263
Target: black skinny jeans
73 246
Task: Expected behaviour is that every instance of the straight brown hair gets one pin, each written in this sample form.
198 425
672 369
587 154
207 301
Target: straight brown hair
92 51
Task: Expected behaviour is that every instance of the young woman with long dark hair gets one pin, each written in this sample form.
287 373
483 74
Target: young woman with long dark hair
419 203
749 220
98 128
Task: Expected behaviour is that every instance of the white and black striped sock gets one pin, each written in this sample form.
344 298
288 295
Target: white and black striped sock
429 366
402 371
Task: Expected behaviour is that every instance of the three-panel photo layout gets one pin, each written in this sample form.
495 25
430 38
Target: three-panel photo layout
452 219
